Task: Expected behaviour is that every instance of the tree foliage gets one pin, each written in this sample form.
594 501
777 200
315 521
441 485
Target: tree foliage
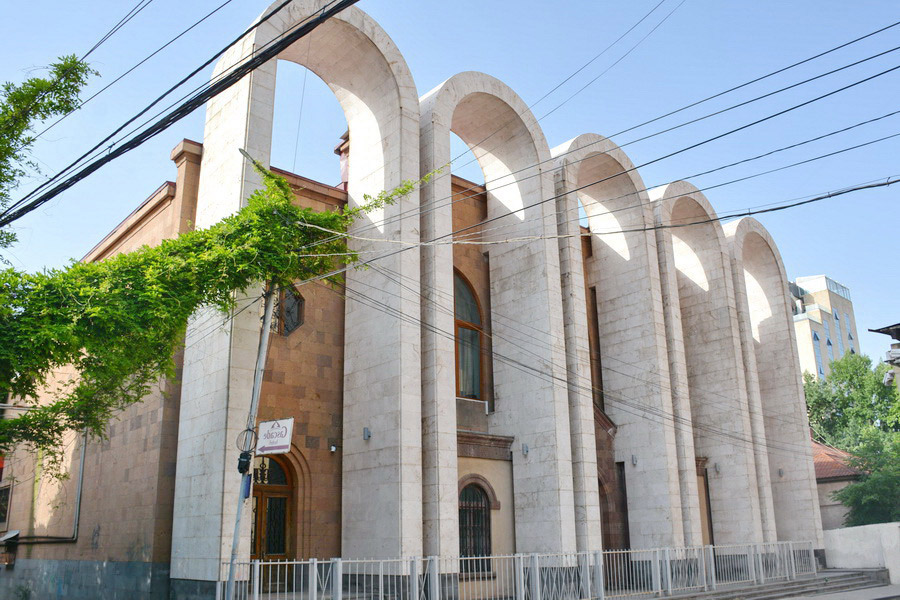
119 321
851 400
23 105
875 498
853 410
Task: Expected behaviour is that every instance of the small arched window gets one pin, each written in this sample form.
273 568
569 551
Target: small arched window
468 340
474 527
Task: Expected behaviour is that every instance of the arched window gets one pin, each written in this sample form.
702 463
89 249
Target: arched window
468 340
474 527
270 525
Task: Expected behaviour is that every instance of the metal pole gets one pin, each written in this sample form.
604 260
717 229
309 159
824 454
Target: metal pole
535 577
251 425
599 584
256 583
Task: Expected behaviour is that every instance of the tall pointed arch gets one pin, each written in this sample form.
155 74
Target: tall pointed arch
370 79
524 283
773 379
705 356
622 273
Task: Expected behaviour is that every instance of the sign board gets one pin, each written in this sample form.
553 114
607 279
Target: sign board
275 437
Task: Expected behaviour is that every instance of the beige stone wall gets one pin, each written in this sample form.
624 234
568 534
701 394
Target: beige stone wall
126 505
500 476
833 512
304 380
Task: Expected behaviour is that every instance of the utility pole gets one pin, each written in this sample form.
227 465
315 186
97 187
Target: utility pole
246 441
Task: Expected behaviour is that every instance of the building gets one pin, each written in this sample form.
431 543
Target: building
540 390
892 356
824 322
833 472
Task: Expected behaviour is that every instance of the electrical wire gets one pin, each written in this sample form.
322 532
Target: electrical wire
141 5
135 66
418 211
236 75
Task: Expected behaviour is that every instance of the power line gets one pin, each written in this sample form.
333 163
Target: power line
555 379
576 72
717 95
141 5
151 105
236 75
434 203
658 159
609 68
190 96
719 168
142 61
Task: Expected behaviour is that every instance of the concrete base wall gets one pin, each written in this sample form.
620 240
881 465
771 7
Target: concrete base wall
865 547
31 579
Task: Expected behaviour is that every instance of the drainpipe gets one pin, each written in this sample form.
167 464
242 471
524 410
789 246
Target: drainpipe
51 539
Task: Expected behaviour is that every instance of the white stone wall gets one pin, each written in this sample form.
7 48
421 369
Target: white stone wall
865 547
371 81
525 289
684 332
700 295
771 355
632 342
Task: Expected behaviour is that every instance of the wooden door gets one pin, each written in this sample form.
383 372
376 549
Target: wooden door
272 521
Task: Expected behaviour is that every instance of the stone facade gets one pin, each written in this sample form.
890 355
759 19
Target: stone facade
631 365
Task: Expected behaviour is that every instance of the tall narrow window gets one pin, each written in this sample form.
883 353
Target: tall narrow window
817 349
594 343
468 340
849 328
474 527
839 334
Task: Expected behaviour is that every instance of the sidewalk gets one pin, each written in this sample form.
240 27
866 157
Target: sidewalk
886 592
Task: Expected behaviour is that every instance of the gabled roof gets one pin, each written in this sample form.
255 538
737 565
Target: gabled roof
831 463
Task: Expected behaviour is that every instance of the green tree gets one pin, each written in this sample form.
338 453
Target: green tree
850 401
21 107
853 410
119 322
875 498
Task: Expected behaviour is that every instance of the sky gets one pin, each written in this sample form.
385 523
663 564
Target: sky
683 52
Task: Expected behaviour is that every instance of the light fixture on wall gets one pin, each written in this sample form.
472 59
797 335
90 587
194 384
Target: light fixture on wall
716 467
366 433
525 449
780 472
634 459
333 448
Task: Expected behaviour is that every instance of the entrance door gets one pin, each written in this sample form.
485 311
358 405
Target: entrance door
271 525
705 510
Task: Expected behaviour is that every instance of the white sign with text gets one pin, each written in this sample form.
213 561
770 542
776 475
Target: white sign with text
275 437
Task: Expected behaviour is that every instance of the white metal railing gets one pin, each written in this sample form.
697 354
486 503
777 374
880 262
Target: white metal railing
576 576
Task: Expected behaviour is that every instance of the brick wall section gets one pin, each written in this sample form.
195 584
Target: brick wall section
304 379
126 508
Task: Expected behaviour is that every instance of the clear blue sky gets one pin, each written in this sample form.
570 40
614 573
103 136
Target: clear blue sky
704 47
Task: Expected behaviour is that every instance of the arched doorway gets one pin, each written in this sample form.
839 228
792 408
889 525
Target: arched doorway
272 518
475 528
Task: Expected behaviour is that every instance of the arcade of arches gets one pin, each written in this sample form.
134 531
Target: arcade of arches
538 385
